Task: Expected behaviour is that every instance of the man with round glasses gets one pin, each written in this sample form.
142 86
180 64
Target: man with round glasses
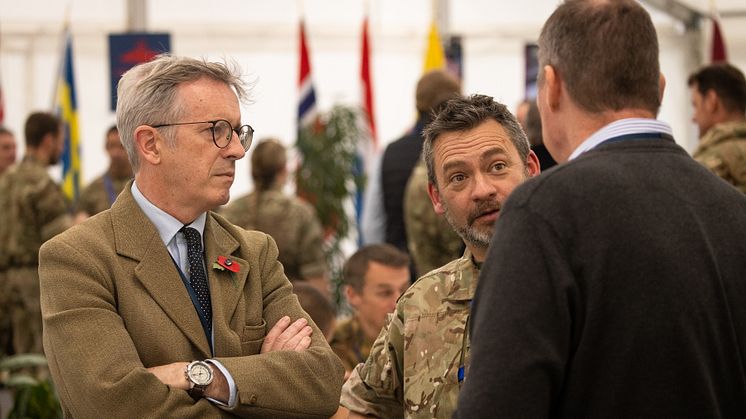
159 307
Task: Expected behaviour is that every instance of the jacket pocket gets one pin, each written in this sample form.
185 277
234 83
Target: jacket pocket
253 337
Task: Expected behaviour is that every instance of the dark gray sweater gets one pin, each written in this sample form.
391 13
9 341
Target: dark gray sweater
615 286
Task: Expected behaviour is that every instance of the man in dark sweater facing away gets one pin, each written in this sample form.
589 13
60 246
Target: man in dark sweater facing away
616 283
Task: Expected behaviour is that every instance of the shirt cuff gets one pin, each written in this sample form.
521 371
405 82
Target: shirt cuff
232 390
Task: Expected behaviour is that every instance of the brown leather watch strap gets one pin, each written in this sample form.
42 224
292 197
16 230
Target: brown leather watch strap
197 392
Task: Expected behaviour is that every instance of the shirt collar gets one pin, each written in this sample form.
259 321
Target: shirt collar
164 222
622 127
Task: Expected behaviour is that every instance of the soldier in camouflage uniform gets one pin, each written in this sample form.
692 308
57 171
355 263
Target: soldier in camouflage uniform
431 241
291 222
374 278
719 99
101 193
476 154
35 209
7 149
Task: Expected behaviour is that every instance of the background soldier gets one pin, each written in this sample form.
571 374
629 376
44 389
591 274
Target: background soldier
290 221
7 149
34 209
431 241
719 101
102 192
374 278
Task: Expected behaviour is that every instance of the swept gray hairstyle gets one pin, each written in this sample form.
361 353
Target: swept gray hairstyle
146 94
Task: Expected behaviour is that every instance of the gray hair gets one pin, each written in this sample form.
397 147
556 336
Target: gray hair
146 94
464 113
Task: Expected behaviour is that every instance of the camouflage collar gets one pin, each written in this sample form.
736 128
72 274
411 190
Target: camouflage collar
722 132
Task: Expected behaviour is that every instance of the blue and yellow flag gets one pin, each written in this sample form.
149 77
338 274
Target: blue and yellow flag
66 107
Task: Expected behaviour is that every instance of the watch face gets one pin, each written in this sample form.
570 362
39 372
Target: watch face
200 373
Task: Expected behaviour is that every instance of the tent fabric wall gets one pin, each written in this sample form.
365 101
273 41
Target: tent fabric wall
262 38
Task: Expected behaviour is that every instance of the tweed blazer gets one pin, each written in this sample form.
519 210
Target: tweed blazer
114 304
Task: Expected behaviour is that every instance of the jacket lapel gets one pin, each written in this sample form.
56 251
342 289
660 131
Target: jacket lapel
226 287
137 238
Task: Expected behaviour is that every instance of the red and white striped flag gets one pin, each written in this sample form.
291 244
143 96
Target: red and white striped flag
307 98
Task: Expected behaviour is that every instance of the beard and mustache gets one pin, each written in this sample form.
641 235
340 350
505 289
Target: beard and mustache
468 231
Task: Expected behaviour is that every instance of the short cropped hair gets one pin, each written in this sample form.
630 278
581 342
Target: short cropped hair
726 80
434 88
38 125
464 113
606 52
357 265
146 94
317 306
268 159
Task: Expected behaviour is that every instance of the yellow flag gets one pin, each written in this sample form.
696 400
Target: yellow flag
435 57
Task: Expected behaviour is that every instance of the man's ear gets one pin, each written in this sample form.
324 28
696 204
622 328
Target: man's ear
148 144
661 86
552 87
352 297
711 101
533 167
434 194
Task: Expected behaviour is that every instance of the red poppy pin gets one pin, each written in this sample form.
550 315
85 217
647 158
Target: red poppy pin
224 263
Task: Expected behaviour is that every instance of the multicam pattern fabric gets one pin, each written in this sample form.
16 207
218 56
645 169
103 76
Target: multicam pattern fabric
291 222
430 239
34 210
350 344
96 197
419 361
723 150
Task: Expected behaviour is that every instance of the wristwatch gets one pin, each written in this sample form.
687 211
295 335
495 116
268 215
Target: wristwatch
199 374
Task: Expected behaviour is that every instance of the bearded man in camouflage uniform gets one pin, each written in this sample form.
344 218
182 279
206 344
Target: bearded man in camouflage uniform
719 100
476 154
34 209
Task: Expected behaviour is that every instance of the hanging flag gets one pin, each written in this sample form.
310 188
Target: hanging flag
435 57
718 52
66 109
307 102
367 146
367 83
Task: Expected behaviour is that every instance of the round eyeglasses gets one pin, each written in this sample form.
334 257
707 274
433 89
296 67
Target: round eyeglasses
222 132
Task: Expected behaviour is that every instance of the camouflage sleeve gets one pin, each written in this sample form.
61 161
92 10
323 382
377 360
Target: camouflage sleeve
86 201
53 210
312 260
375 387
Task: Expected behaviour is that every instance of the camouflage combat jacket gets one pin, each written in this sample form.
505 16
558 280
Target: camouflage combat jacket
291 222
723 150
350 344
432 242
34 209
419 361
100 194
